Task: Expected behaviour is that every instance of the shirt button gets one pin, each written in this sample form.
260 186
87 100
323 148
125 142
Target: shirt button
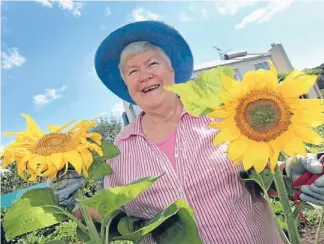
175 155
180 190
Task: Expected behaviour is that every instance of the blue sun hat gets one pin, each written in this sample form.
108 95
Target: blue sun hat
156 32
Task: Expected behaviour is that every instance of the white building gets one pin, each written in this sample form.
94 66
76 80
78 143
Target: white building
241 62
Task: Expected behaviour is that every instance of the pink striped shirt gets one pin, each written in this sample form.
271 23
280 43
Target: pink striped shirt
225 211
168 146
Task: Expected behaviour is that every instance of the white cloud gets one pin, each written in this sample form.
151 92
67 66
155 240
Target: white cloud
107 11
141 14
191 8
184 17
204 13
264 14
232 7
102 27
118 109
72 6
45 3
50 94
11 59
254 16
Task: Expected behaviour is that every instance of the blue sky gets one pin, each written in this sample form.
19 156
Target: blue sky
47 47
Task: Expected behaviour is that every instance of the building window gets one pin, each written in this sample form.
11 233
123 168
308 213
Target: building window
238 75
263 65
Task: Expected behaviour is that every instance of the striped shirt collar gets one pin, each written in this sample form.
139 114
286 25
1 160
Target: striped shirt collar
135 128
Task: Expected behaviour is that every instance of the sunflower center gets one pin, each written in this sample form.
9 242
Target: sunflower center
262 115
54 143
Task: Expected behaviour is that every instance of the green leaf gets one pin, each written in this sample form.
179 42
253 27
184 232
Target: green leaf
175 225
81 235
129 224
109 200
109 150
201 95
264 179
315 150
55 242
30 213
98 169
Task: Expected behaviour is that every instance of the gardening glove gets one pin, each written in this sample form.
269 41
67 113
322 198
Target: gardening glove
307 173
65 188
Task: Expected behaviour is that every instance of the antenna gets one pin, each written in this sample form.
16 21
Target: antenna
221 53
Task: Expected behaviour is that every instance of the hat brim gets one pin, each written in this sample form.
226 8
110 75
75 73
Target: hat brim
159 34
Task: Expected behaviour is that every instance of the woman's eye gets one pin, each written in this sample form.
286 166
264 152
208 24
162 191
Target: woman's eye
132 72
153 63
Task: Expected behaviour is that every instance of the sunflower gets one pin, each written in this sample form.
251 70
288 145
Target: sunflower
44 155
261 117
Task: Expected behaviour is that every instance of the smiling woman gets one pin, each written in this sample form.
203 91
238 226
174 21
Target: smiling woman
146 69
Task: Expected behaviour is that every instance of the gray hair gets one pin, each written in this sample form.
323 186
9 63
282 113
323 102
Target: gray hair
136 48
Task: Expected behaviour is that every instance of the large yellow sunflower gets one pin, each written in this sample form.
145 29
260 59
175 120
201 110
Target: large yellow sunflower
261 117
40 154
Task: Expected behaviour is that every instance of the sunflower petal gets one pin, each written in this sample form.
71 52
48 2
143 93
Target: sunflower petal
75 159
96 137
35 161
238 148
32 126
87 157
307 119
257 156
232 86
55 128
57 160
307 135
296 84
276 149
96 148
227 135
300 104
220 114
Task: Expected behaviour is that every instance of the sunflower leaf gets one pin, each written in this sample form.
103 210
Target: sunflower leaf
98 169
176 224
263 179
109 150
109 200
31 212
199 96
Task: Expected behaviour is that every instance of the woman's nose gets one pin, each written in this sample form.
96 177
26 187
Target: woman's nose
145 76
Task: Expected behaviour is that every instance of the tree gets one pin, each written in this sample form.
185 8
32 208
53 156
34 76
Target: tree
108 128
10 181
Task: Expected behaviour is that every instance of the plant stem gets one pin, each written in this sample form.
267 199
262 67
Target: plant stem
281 232
291 225
319 228
94 236
79 223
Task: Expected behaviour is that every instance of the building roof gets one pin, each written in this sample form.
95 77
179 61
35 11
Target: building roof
214 63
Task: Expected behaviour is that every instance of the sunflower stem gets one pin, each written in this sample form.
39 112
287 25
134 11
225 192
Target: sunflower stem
319 228
281 232
282 192
94 236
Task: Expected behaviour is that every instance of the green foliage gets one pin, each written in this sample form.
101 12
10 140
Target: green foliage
108 128
31 213
181 227
199 96
10 181
263 179
109 200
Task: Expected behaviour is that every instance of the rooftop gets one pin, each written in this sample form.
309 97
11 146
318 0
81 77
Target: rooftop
214 63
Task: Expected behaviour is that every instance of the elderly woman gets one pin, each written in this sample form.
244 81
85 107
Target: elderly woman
135 62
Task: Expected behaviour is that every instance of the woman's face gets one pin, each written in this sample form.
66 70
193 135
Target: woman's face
145 76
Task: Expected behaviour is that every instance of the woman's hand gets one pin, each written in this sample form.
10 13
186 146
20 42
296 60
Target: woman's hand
307 173
65 188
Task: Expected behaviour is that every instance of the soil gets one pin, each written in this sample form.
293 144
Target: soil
308 234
